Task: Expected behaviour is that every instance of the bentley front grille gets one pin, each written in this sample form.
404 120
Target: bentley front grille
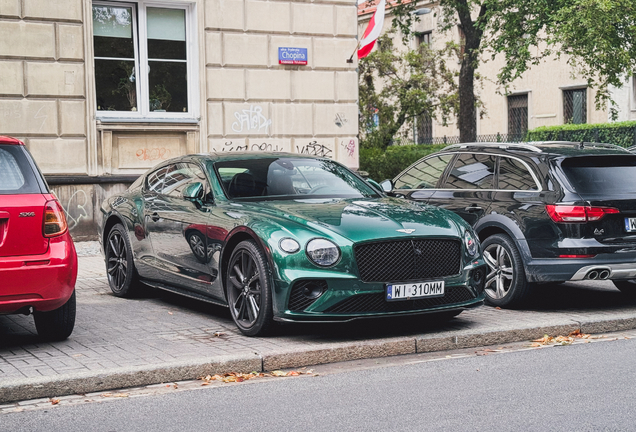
408 260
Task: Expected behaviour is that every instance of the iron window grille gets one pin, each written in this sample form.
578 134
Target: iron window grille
518 116
575 106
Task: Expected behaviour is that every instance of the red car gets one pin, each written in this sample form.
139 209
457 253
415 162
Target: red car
38 262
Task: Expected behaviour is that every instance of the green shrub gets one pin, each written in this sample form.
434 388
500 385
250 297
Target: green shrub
382 165
619 133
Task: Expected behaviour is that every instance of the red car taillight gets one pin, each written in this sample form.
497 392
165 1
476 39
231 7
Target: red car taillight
54 219
578 214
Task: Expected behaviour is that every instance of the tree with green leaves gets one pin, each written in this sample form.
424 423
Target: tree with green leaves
598 37
399 86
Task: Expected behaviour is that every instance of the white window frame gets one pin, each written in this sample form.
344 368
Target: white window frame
140 38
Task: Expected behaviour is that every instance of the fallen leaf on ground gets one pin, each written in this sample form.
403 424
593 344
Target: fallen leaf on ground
561 340
498 308
54 401
116 395
240 377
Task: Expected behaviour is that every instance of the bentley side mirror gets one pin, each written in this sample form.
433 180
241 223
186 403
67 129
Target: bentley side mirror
375 184
193 192
387 185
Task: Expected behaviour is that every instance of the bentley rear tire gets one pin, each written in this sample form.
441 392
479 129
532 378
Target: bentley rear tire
120 267
249 292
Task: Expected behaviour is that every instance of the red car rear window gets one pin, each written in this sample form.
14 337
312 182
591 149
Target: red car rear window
16 174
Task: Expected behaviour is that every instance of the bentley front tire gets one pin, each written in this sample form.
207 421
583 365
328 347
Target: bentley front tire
249 291
120 267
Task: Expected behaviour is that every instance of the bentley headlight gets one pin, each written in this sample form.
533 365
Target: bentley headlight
289 245
471 244
323 252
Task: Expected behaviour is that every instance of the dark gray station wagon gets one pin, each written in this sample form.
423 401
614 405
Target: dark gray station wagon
544 211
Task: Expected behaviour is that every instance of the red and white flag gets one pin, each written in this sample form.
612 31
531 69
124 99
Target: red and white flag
372 33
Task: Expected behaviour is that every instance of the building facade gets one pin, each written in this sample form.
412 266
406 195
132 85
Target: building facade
100 91
548 94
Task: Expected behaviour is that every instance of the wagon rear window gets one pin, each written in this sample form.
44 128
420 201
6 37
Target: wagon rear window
16 175
615 174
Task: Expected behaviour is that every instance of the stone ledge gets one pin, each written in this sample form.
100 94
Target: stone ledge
339 352
22 389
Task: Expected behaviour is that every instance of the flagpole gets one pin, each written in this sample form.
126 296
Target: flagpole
350 59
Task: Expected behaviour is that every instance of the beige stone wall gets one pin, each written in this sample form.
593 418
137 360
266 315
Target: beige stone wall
43 81
247 100
253 103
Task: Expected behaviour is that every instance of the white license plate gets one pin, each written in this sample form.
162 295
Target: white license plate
630 224
414 290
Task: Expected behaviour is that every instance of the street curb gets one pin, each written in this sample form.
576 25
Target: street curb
338 352
478 339
82 383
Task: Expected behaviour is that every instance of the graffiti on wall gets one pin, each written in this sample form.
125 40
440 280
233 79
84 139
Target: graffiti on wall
251 120
265 146
315 149
229 146
152 154
340 120
76 208
349 147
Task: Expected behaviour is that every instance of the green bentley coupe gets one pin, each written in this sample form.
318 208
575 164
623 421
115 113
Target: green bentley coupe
287 237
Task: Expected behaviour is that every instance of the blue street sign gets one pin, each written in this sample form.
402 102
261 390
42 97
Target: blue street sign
292 56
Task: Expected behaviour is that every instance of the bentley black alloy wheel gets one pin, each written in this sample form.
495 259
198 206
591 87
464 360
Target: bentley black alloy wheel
120 267
248 289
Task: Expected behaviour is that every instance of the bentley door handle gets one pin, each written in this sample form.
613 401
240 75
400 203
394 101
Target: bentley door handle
155 217
473 209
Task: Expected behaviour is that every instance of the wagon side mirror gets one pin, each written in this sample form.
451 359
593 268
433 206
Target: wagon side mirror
387 185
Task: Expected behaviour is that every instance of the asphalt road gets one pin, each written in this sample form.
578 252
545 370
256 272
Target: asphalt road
575 388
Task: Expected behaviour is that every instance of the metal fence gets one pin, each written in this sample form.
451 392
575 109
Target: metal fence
624 136
498 137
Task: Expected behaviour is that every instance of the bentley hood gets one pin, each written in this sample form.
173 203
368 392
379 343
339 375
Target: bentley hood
363 219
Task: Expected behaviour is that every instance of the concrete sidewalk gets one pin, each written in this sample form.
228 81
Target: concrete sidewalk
163 338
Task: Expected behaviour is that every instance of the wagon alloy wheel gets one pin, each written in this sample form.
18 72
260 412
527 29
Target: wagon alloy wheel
499 278
506 284
120 267
248 288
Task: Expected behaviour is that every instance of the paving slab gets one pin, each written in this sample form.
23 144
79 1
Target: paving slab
163 337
